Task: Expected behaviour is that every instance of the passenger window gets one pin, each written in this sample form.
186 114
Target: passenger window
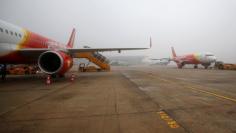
1 29
11 32
6 31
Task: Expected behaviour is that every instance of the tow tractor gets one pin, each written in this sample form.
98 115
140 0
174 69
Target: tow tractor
225 66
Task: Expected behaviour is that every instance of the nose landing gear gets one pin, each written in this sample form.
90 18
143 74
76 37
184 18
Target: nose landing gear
206 67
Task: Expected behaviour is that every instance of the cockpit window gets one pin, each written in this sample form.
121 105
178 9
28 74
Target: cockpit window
1 29
209 55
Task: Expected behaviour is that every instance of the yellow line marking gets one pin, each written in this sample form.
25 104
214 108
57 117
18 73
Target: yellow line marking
160 78
171 123
207 92
165 80
214 94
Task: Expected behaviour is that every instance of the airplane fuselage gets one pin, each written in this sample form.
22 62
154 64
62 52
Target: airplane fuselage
13 38
204 59
21 46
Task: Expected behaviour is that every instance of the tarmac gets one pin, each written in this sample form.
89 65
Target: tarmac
126 100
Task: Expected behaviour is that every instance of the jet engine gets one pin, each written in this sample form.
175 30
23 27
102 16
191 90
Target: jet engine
55 62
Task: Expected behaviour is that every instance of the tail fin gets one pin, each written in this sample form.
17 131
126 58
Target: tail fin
70 44
173 52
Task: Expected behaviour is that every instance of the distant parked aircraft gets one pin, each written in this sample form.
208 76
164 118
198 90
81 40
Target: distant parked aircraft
205 59
163 61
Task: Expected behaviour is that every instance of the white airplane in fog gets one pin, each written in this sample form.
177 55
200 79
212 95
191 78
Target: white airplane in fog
163 61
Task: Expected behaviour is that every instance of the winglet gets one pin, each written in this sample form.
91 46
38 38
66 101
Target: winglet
173 52
70 44
150 42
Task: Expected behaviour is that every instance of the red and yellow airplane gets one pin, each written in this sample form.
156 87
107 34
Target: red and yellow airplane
205 59
21 46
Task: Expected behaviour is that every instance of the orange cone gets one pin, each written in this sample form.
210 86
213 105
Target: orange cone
72 78
48 80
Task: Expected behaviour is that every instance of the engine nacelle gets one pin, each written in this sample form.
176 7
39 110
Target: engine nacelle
55 62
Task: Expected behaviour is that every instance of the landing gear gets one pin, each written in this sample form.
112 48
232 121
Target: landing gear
206 67
54 76
3 71
180 66
195 66
61 76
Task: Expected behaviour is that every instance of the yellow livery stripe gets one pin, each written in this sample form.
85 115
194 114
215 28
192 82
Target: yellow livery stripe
23 40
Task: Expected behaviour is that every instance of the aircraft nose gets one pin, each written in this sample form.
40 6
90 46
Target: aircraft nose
211 59
214 59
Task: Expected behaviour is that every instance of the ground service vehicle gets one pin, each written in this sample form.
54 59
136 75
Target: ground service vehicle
225 66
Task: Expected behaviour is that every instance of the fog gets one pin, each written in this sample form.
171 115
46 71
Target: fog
188 25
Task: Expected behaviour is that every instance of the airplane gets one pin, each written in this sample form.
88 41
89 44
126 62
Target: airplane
205 59
21 46
119 63
162 61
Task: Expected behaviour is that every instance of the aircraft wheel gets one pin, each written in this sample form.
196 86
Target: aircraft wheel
180 66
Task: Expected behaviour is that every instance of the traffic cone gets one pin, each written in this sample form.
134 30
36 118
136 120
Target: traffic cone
48 80
72 78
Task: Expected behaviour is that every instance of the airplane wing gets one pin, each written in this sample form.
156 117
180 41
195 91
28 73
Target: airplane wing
88 49
73 50
35 52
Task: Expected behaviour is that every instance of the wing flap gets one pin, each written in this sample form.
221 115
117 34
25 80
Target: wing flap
35 52
101 49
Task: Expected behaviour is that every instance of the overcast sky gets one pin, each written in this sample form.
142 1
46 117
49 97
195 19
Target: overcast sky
188 25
